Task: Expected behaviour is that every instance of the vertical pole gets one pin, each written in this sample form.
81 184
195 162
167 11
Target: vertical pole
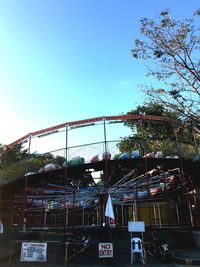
169 219
29 152
150 209
83 215
45 217
67 216
144 143
4 161
43 208
98 215
190 213
154 213
122 207
159 214
177 214
135 210
3 172
74 200
144 150
106 158
25 187
2 182
55 221
65 177
106 169
133 213
65 196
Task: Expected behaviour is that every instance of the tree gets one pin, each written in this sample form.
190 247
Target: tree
16 161
151 136
172 46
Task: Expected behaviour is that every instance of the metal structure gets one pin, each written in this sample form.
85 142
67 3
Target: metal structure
162 190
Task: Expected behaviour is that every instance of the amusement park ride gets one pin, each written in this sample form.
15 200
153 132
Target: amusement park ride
161 190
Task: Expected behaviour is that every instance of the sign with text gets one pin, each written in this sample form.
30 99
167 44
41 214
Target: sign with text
105 250
136 226
33 252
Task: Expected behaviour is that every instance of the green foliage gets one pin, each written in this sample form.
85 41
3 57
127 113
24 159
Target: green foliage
151 136
172 47
16 162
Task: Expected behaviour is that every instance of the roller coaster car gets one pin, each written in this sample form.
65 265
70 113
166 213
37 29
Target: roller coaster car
29 173
76 161
124 156
50 167
172 157
65 164
159 154
106 156
135 154
149 155
95 159
154 190
129 198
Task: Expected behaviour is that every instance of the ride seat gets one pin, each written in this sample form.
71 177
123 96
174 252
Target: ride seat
136 247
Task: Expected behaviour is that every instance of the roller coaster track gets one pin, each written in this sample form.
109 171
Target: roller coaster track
122 189
118 118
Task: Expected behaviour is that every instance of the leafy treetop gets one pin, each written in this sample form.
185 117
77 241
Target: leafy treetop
173 45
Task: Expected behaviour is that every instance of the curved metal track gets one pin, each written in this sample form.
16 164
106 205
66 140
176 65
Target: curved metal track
123 118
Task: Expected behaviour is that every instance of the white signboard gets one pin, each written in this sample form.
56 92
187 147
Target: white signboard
33 252
136 226
105 250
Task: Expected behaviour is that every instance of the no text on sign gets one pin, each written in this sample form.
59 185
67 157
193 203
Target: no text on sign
136 226
105 250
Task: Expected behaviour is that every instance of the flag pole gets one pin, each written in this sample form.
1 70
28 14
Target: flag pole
109 213
105 169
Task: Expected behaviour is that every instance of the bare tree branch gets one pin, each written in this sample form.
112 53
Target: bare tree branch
174 46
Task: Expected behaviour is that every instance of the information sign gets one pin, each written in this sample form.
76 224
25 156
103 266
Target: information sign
33 252
136 226
105 250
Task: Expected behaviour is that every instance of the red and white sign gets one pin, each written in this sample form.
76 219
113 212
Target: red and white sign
105 250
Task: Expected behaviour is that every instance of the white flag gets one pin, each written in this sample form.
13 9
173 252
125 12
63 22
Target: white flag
109 209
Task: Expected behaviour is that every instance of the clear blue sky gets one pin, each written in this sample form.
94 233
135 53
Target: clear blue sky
64 60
